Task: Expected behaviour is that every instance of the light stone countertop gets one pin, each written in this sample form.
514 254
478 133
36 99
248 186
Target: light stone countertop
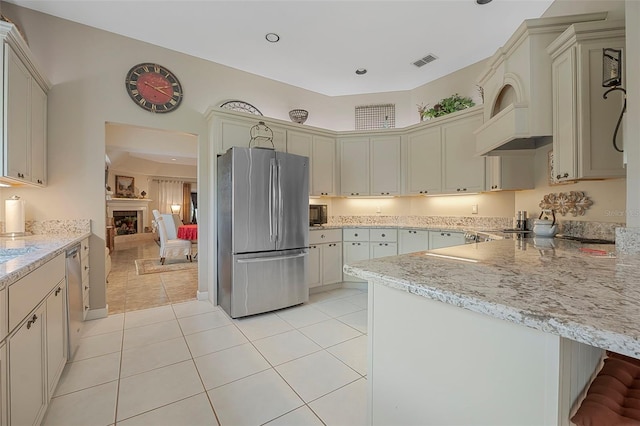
546 284
45 248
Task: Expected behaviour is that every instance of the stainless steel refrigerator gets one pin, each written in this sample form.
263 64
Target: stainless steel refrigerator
263 230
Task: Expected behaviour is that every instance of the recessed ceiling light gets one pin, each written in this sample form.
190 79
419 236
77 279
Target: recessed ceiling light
272 37
483 1
361 71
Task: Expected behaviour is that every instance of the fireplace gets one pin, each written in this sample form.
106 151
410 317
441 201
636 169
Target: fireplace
129 215
127 221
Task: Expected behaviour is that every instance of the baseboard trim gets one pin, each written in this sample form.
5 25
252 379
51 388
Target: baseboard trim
97 313
202 295
356 285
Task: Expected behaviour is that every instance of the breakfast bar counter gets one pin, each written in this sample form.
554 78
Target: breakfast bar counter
501 332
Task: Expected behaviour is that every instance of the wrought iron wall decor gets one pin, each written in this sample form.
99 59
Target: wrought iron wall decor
574 202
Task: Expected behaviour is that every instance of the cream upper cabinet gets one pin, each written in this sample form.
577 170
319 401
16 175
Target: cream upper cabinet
462 170
323 166
424 162
583 121
512 171
302 144
385 165
233 131
370 165
24 92
354 166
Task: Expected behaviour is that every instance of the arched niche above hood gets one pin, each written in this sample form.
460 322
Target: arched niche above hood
517 87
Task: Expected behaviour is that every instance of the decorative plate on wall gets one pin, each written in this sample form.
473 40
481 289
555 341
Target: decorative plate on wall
241 106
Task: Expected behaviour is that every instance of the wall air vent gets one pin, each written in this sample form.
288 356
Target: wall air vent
424 61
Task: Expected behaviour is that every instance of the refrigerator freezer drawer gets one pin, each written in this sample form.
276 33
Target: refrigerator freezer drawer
268 281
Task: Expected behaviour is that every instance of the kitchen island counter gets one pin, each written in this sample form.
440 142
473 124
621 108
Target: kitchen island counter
511 329
549 285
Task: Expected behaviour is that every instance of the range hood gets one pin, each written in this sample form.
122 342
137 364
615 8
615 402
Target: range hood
517 87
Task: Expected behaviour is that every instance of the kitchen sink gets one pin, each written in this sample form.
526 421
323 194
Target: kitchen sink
6 254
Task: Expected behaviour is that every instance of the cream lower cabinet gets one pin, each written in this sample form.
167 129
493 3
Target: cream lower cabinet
412 240
383 242
325 257
86 287
37 342
3 384
56 335
583 121
27 387
442 239
355 247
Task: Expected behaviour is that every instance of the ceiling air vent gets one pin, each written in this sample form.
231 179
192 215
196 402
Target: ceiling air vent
424 61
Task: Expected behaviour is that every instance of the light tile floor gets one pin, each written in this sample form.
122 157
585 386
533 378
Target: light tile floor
127 291
190 364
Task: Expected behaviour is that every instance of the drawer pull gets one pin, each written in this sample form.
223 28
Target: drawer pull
383 235
32 321
58 290
86 268
322 236
355 235
86 287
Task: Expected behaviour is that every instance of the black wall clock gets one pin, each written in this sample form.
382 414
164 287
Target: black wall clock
153 87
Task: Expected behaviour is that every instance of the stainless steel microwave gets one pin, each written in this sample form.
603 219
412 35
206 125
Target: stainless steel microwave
317 214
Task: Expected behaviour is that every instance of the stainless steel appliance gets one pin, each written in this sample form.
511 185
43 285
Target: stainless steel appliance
317 214
74 297
263 230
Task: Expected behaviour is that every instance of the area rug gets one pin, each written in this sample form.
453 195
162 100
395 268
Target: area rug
153 266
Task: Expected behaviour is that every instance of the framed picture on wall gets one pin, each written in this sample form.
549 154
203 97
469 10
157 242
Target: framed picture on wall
125 187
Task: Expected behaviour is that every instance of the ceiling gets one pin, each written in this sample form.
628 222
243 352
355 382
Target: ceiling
322 42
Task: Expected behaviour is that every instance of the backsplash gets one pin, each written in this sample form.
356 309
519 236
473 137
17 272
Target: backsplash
53 227
424 221
628 240
601 230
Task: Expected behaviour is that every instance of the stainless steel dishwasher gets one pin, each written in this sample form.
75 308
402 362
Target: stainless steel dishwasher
74 297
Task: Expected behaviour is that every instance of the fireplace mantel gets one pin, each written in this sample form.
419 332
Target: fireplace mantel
137 204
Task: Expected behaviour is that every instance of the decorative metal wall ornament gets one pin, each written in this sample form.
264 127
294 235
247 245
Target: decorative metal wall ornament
261 133
241 106
612 77
574 202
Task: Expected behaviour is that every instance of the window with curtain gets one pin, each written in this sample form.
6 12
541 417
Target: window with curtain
169 192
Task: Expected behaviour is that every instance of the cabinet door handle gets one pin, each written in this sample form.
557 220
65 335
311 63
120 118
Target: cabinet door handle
442 234
322 236
32 321
86 287
448 235
40 181
86 308
58 290
566 175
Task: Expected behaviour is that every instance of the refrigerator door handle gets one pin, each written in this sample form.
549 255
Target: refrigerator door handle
271 196
270 259
279 216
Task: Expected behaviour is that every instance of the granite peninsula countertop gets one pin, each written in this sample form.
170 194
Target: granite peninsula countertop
38 249
546 284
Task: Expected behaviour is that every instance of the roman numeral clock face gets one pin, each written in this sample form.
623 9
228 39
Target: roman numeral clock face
154 88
